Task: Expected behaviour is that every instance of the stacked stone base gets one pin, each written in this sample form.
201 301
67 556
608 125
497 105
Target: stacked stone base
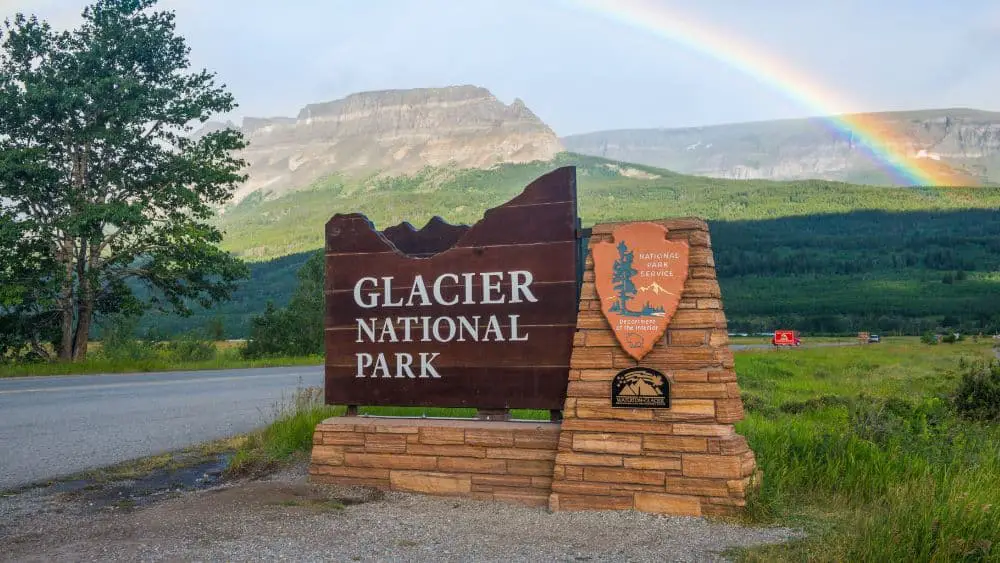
485 460
687 459
651 467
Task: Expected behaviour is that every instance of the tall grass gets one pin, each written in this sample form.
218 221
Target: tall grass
162 359
289 434
862 447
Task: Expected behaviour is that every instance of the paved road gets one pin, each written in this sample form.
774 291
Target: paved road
54 426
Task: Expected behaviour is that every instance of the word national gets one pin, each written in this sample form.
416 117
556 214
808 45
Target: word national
449 289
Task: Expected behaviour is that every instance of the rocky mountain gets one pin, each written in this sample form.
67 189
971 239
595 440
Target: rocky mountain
961 144
390 132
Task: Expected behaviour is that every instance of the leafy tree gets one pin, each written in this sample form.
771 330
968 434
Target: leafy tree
298 329
98 176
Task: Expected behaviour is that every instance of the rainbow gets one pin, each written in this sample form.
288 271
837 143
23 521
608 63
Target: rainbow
867 131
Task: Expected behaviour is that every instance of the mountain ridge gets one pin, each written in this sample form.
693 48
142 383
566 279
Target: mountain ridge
962 144
389 132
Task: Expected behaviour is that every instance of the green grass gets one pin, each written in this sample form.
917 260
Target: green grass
96 364
859 446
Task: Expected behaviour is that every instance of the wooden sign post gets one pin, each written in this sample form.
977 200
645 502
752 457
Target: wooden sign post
495 316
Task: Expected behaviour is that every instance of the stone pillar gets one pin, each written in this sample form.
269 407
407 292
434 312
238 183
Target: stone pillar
686 459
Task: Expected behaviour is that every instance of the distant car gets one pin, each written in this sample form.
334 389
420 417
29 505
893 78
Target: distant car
874 339
785 338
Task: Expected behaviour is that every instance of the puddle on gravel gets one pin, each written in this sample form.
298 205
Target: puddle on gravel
126 493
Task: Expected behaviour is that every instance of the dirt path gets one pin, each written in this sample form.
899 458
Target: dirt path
284 517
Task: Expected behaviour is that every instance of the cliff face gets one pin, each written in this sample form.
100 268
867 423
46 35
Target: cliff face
960 144
392 131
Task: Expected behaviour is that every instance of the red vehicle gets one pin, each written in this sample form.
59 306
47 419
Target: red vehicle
785 338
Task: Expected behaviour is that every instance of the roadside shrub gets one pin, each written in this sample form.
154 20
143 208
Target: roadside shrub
978 394
949 339
118 342
190 348
296 330
928 338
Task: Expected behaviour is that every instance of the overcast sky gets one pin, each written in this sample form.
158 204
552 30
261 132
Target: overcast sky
580 71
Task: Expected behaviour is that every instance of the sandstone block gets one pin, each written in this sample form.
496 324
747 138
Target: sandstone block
595 412
721 375
601 338
700 391
591 358
709 303
655 463
702 289
693 337
471 465
496 438
701 272
698 318
529 498
602 375
395 429
616 426
542 483
699 487
514 453
608 475
328 455
446 450
385 443
716 466
431 435
501 480
331 425
591 502
343 439
569 458
430 483
390 461
675 443
529 467
355 472
589 389
659 503
729 410
607 443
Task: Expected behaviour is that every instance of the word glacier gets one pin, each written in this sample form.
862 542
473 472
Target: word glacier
448 290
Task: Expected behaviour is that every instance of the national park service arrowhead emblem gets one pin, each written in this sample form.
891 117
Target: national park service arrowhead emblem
640 276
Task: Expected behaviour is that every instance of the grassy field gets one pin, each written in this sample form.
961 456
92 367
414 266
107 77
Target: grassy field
225 357
859 446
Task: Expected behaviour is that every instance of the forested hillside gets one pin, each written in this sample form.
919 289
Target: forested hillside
892 272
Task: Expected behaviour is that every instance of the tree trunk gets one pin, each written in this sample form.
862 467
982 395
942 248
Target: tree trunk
85 300
64 255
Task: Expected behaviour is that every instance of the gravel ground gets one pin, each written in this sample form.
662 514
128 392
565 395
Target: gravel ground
284 517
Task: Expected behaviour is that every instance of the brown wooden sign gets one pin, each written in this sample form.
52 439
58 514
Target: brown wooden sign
452 316
640 277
